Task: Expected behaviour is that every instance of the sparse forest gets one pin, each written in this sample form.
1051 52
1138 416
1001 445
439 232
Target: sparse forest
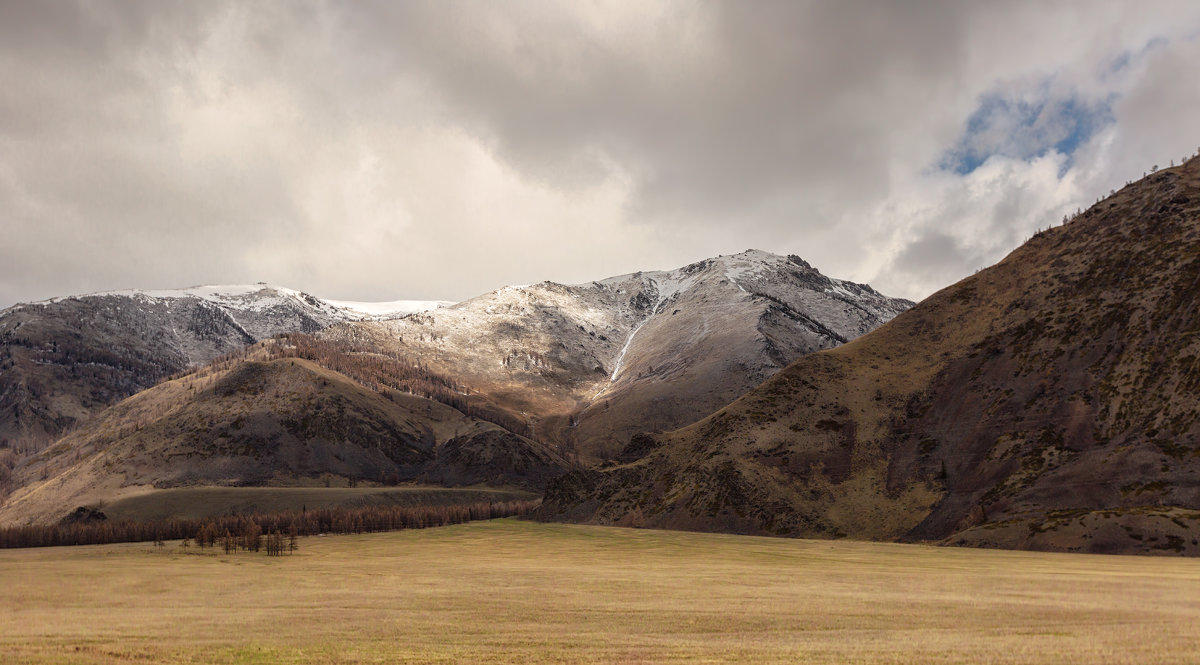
381 370
245 532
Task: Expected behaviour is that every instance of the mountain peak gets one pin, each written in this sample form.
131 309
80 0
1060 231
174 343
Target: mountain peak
754 255
650 348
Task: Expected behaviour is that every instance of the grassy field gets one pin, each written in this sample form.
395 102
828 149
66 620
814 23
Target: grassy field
199 502
509 591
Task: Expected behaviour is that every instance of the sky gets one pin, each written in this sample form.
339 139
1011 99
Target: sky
388 150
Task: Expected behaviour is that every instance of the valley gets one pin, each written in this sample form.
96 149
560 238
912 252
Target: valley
1047 402
556 333
511 591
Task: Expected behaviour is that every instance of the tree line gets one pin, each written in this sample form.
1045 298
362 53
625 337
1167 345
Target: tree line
245 532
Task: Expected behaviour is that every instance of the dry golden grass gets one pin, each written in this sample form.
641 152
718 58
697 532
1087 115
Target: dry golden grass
517 592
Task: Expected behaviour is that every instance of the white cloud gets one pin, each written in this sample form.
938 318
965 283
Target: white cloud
946 226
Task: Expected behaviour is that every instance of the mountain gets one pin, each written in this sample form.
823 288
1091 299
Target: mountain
264 420
535 379
63 359
1051 401
589 365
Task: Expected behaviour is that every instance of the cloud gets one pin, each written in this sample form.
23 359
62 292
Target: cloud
947 226
441 149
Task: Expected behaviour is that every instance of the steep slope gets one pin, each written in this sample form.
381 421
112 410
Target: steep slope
1051 401
270 422
588 365
62 359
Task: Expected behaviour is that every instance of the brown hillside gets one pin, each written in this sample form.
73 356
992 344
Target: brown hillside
1051 401
263 422
66 359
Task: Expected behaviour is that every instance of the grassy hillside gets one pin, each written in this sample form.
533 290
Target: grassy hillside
63 360
1051 401
517 592
257 421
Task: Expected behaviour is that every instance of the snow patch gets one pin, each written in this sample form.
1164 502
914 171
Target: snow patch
393 309
750 264
838 287
262 297
621 356
668 285
248 297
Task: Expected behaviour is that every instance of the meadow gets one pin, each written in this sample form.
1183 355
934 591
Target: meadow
514 591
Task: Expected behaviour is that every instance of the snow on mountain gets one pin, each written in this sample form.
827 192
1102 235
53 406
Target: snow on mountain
585 364
664 346
263 297
62 358
393 309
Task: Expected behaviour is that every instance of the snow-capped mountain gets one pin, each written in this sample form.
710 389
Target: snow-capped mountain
583 366
591 364
553 374
60 359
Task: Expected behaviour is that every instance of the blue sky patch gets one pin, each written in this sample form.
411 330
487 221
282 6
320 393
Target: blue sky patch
1027 127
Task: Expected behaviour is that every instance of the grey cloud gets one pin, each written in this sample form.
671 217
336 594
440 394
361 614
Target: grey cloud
935 253
359 149
778 98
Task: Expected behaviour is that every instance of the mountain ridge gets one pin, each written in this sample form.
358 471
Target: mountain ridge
574 356
63 358
571 370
